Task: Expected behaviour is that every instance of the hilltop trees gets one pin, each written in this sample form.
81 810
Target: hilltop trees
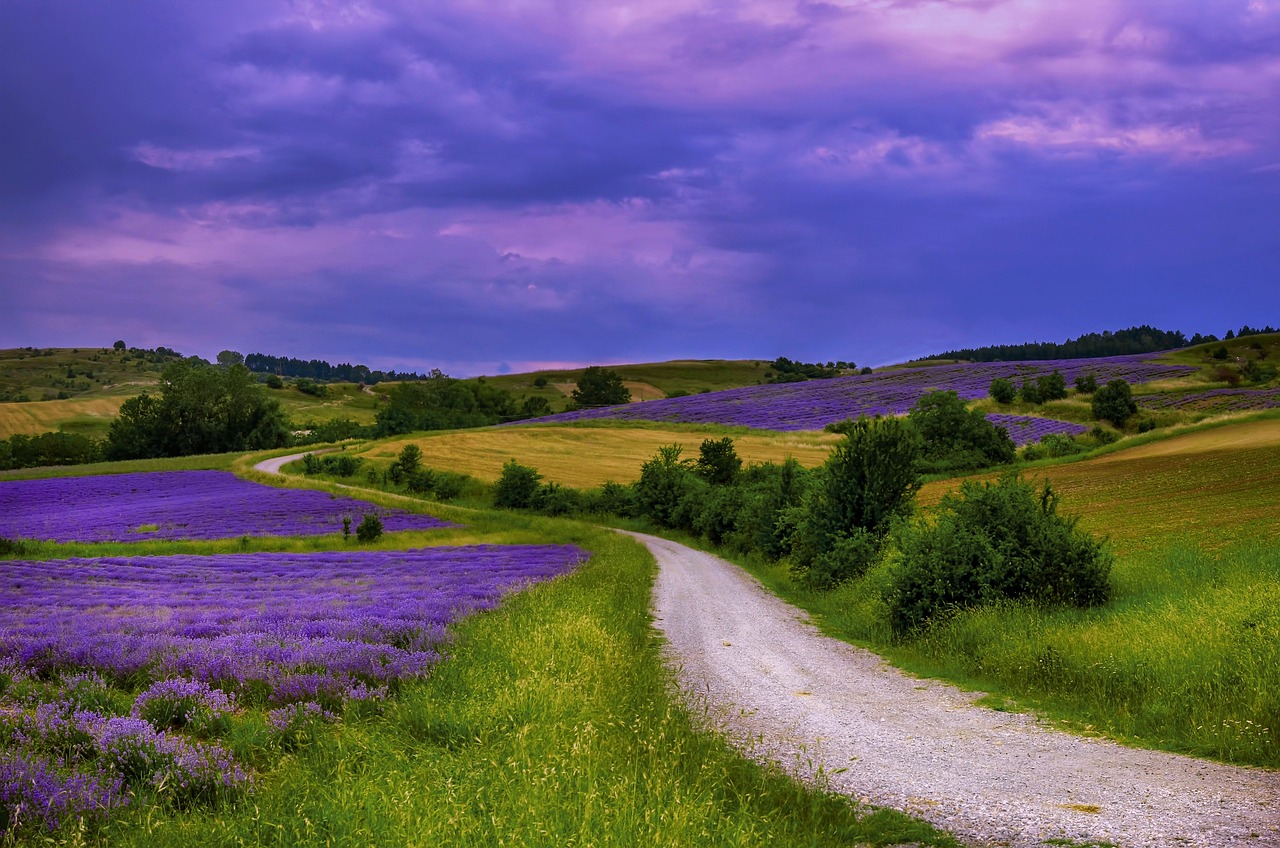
200 409
600 387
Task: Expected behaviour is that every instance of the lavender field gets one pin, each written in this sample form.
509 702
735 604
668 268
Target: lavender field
814 404
173 505
306 635
1215 400
1026 429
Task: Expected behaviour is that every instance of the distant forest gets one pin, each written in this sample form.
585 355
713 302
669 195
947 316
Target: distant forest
1144 339
318 369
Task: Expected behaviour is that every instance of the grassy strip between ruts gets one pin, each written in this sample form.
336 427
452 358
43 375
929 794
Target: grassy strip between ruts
552 722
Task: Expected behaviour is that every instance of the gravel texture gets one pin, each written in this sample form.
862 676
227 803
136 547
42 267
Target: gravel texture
782 690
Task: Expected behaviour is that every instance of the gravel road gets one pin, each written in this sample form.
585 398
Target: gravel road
777 686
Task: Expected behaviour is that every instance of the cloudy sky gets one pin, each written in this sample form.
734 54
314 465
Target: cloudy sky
490 184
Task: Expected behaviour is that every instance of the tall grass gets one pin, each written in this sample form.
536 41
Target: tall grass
552 722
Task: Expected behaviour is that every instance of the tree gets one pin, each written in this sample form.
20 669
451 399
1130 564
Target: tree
1002 390
956 438
1086 384
664 481
1029 392
119 345
718 463
1052 386
1114 402
227 358
870 479
517 486
600 387
200 409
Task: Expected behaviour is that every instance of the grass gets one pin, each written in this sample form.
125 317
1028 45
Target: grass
551 722
1186 656
1209 487
341 400
585 457
87 416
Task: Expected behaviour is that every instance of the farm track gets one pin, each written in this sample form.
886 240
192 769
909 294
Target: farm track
783 691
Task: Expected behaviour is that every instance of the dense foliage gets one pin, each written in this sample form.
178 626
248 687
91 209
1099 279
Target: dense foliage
201 408
440 402
784 370
1114 402
23 451
600 387
318 369
994 541
1143 339
956 438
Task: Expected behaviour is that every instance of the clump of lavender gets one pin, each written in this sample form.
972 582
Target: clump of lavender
180 703
87 690
176 769
34 794
58 728
295 725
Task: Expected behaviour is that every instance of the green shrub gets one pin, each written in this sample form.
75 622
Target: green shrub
718 463
1114 402
1002 390
370 528
1030 392
870 479
956 438
994 541
517 486
555 499
664 481
1051 386
1086 384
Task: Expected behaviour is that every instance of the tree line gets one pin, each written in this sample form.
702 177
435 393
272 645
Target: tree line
1143 339
318 369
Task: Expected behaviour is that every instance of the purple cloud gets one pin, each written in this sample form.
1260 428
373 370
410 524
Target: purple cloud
406 184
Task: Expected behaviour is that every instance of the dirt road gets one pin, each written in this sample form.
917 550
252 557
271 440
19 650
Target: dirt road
779 687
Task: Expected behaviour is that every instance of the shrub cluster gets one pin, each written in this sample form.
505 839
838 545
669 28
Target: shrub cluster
994 541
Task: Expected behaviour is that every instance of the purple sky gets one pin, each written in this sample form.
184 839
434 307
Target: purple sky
511 183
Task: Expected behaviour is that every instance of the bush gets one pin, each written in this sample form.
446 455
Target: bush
1220 352
1051 386
870 479
994 541
1030 392
1002 390
517 486
956 438
718 463
1086 384
554 499
1114 402
273 381
664 481
370 528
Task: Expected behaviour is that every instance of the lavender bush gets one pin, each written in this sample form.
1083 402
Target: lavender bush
178 505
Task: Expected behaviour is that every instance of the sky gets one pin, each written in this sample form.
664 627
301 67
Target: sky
504 185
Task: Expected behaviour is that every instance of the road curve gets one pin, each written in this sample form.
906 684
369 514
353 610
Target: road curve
779 687
273 465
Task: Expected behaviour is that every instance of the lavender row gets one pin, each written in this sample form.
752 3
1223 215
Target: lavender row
313 633
814 404
179 505
1215 400
1027 429
294 627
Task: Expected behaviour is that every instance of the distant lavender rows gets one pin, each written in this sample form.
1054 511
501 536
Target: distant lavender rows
180 505
814 404
309 632
1026 429
1215 400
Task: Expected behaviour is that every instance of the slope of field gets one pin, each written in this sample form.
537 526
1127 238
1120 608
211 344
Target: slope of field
87 416
588 456
1211 488
647 381
812 405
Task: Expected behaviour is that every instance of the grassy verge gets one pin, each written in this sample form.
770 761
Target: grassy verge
551 723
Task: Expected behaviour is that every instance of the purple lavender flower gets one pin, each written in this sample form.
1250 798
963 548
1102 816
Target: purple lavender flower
179 702
35 794
178 505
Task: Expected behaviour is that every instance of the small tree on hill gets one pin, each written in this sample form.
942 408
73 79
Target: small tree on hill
955 437
1052 386
1002 390
1086 384
1114 402
517 487
600 387
870 479
718 463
